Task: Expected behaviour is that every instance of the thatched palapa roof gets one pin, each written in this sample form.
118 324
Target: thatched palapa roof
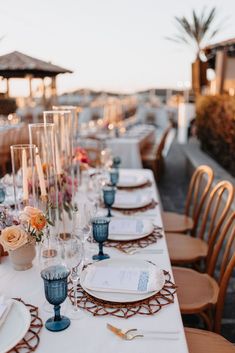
19 65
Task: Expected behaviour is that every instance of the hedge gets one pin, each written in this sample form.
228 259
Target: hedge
215 119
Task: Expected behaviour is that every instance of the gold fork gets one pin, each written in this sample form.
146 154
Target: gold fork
125 335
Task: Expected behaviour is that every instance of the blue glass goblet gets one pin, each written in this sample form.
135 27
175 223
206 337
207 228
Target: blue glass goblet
109 198
100 227
116 162
56 287
114 176
2 193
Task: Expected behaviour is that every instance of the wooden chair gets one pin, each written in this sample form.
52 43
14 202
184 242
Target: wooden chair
152 155
201 293
185 249
200 341
199 187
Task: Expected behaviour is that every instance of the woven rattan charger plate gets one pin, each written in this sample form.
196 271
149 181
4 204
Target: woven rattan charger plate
148 306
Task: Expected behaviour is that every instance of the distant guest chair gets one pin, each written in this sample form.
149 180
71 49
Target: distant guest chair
199 187
152 157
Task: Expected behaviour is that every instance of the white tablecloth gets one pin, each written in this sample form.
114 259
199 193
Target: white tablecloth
129 147
89 334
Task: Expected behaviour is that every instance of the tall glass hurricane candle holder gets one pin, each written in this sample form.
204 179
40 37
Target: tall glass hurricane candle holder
56 287
74 134
23 169
75 114
43 136
63 121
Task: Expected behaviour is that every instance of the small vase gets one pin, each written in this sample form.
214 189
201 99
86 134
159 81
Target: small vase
22 258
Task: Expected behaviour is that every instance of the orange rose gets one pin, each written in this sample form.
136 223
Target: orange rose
38 221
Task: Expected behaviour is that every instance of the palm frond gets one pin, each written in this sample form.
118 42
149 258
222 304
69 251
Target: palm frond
197 30
178 39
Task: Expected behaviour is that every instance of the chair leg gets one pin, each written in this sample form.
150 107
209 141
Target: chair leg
207 319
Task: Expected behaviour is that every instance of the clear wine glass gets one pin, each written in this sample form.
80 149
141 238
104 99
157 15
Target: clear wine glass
72 255
82 223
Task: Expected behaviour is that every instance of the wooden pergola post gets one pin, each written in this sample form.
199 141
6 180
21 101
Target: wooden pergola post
53 86
30 87
8 88
43 92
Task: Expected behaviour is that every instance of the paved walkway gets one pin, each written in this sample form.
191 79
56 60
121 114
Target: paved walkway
173 188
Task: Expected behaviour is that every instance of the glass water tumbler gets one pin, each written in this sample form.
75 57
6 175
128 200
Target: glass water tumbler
2 193
56 287
100 228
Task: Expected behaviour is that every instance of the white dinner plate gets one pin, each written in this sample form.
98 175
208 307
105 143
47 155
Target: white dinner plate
123 229
127 200
121 297
131 180
15 327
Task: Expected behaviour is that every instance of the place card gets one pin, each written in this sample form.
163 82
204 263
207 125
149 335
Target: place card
127 179
127 199
126 226
123 279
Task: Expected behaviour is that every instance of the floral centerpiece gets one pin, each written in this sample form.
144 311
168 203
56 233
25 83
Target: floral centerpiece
82 157
19 236
66 187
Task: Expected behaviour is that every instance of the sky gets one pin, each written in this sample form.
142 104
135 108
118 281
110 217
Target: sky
117 45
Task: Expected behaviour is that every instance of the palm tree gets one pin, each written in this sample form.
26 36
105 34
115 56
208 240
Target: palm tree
198 31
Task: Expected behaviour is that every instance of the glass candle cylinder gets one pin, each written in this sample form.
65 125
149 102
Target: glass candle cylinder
75 114
23 169
74 133
43 137
63 120
67 184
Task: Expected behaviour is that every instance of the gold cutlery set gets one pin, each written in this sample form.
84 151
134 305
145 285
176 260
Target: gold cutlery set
129 335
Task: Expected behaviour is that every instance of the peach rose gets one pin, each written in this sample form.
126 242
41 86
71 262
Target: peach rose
13 238
29 212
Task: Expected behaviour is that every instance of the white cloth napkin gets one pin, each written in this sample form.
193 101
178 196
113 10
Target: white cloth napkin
5 306
123 279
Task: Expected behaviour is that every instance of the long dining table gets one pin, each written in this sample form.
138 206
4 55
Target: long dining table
89 333
130 145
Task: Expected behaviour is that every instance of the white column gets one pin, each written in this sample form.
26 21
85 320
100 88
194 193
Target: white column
186 113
